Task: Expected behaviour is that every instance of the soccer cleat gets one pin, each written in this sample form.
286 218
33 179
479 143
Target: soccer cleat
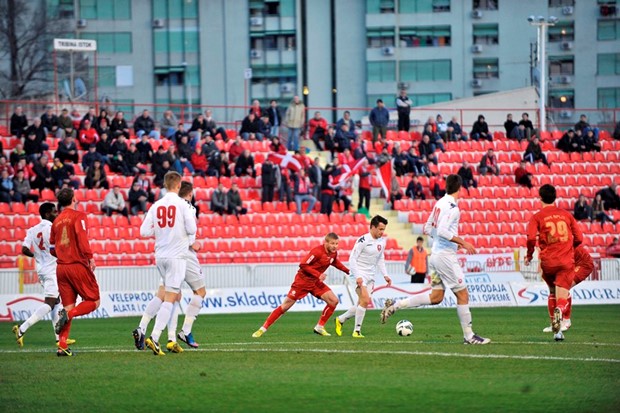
559 336
173 347
187 339
321 331
138 338
566 324
64 352
69 342
19 337
476 339
338 327
258 333
357 334
548 329
63 319
556 322
154 345
388 310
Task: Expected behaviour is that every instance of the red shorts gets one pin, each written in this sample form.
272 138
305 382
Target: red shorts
582 272
558 275
304 285
74 280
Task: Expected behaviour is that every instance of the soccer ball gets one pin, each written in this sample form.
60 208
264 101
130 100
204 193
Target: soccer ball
404 328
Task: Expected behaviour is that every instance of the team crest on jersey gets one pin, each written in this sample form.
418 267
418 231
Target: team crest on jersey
379 247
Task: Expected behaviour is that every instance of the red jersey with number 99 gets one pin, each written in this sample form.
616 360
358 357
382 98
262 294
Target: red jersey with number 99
558 233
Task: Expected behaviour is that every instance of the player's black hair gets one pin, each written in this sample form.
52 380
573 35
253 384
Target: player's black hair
376 220
65 196
453 184
420 239
547 193
45 209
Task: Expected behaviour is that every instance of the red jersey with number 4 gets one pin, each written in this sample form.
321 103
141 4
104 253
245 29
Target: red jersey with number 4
69 237
558 233
318 260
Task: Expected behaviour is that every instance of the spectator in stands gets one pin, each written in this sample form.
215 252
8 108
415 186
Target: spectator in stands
17 154
613 249
76 118
568 142
211 127
317 129
268 180
145 149
219 165
401 161
610 196
161 171
442 128
522 176
168 124
118 126
199 161
137 199
256 109
284 185
518 133
145 184
315 173
4 165
379 119
235 203
527 124
276 146
327 190
264 127
102 123
65 125
343 138
434 137
396 193
364 186
616 134
236 149
534 152
480 130
114 202
330 140
357 148
417 261
303 192
21 185
438 187
403 107
87 135
177 164
132 159
89 158
414 189
184 153
427 151
467 175
118 154
591 142
64 175
209 148
144 124
455 132
33 147
295 118
249 128
67 150
42 178
103 127
90 116
599 210
584 127
19 122
488 164
7 188
198 128
509 125
95 176
37 129
275 117
244 166
346 119
49 121
582 210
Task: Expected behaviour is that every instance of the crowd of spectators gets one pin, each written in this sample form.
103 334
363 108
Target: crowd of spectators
604 200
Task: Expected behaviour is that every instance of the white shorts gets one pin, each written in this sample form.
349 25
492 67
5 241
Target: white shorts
446 272
193 272
172 272
49 284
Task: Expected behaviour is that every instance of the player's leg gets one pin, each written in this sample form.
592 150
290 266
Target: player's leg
275 314
582 272
563 282
331 301
68 297
172 345
195 280
40 312
149 313
551 299
360 311
350 313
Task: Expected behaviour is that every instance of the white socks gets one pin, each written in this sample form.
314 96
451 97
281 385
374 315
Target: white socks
172 323
35 317
55 318
414 301
195 304
465 317
360 312
163 315
149 312
350 313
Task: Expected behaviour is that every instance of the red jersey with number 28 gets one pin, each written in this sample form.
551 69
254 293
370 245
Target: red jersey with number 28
318 260
558 233
69 237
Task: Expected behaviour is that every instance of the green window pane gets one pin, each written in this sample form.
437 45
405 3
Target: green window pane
88 9
381 71
374 71
105 10
425 70
373 6
193 75
161 41
105 43
122 9
608 97
287 8
106 76
191 41
190 9
606 64
175 9
388 100
124 105
159 9
176 41
486 30
122 43
442 70
407 70
606 30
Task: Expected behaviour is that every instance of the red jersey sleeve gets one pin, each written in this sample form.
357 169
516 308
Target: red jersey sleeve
310 262
81 233
340 266
532 233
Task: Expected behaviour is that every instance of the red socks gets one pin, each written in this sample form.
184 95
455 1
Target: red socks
62 336
85 307
551 304
563 305
569 307
327 312
277 313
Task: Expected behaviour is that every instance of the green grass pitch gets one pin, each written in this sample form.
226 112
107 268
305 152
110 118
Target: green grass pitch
290 369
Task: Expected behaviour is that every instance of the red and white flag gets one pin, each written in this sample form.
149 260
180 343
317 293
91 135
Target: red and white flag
285 161
384 174
349 170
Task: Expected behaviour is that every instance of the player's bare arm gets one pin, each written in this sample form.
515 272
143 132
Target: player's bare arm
26 251
388 280
469 248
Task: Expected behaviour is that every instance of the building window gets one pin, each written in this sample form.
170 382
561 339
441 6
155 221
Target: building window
429 36
608 97
379 6
63 9
485 4
105 9
608 64
486 34
421 99
486 68
381 71
110 42
423 6
561 65
562 31
388 100
124 105
169 76
561 3
380 37
283 41
425 70
106 76
608 29
169 41
274 74
562 98
175 9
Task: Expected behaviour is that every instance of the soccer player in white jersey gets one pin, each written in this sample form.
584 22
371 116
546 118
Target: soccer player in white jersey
37 245
367 256
194 278
171 221
443 226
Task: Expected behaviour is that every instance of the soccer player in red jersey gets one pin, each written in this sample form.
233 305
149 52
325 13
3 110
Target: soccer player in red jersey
75 266
558 233
309 279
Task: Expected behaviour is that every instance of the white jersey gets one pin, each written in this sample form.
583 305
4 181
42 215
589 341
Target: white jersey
172 223
367 256
443 225
38 241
